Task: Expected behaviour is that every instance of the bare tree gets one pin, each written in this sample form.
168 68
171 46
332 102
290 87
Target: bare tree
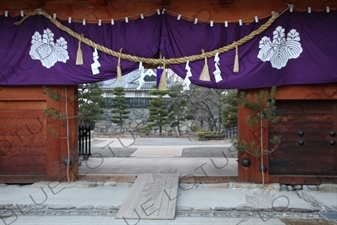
207 105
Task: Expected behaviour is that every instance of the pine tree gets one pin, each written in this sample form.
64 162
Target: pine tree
158 110
178 107
90 102
262 109
119 105
230 110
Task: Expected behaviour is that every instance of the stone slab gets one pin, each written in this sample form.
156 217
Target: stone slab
328 188
152 196
327 198
244 200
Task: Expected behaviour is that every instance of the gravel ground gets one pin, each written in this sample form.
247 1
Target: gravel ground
307 222
168 141
196 152
114 152
209 152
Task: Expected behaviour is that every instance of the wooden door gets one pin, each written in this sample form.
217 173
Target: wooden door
22 138
37 133
308 130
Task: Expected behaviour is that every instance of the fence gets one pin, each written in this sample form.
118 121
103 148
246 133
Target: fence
230 133
84 141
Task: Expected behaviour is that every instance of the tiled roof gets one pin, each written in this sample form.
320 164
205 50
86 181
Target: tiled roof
130 81
113 83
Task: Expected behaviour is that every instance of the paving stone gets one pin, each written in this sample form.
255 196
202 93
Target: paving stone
297 187
187 186
5 206
223 209
85 207
81 184
328 188
276 209
202 208
283 187
250 186
100 184
246 208
6 214
110 183
290 188
184 208
34 206
61 207
103 207
61 185
199 186
17 206
116 207
310 187
271 187
41 184
219 185
124 185
301 210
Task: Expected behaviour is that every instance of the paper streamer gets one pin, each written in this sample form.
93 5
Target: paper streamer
187 80
217 72
96 64
142 75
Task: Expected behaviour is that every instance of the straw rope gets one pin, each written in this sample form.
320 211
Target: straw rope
152 61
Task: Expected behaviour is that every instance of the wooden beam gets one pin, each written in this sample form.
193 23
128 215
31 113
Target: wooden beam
98 2
307 92
36 3
226 2
21 179
162 2
292 179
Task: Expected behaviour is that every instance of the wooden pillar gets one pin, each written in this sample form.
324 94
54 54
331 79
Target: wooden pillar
300 94
34 133
251 134
62 134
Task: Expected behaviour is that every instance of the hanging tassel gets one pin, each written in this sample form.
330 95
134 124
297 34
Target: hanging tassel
119 70
236 60
162 83
204 76
79 55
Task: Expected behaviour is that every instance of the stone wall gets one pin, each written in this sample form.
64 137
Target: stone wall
137 120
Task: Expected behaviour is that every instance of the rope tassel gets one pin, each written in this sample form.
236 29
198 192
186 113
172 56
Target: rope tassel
119 70
204 76
79 54
162 83
236 60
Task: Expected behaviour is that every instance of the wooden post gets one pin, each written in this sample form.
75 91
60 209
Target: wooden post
252 134
33 131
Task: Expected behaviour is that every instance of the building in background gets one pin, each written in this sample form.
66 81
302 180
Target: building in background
137 97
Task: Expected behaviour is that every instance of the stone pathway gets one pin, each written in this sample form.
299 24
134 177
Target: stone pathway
227 200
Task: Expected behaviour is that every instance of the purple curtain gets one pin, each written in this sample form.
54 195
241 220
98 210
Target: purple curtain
137 37
317 63
298 48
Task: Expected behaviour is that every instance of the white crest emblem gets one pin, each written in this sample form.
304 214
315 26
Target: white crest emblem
44 49
281 49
